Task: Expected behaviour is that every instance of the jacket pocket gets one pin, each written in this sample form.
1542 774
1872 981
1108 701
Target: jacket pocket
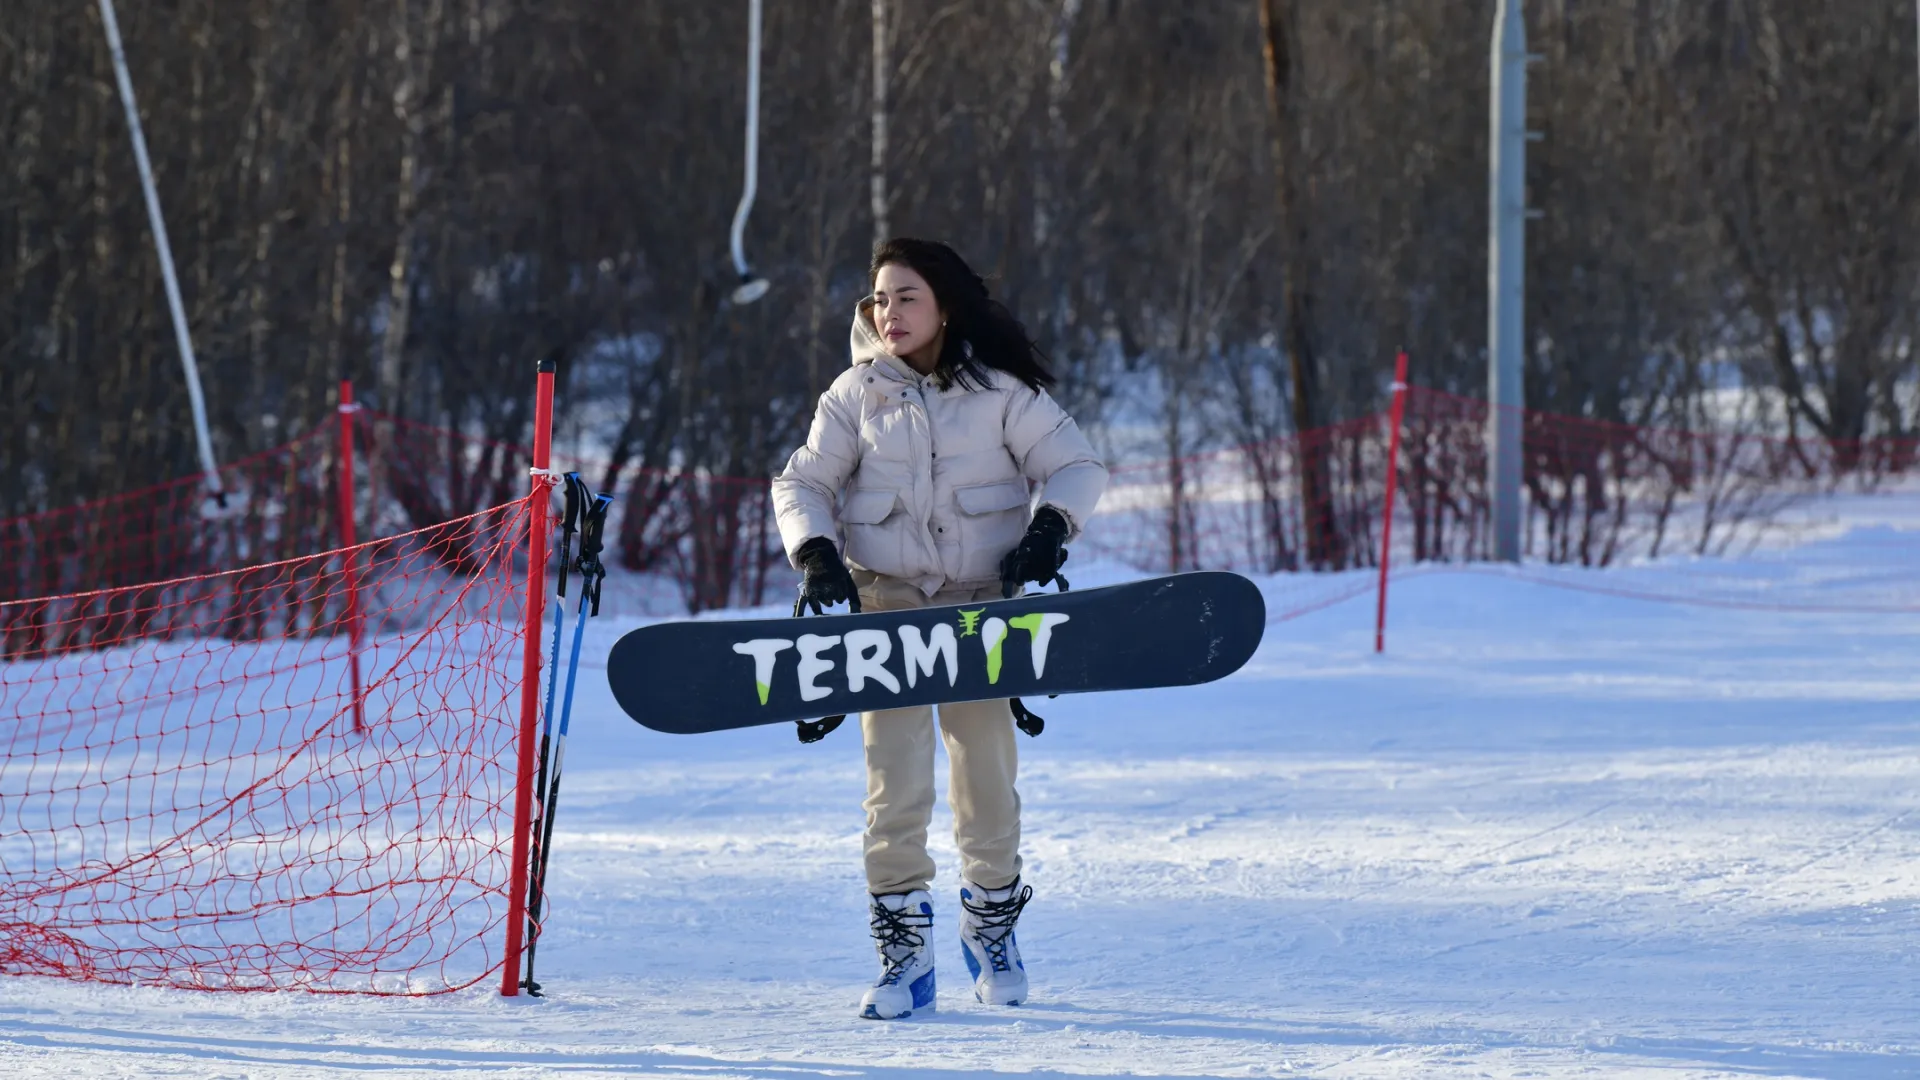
876 532
991 498
869 507
993 517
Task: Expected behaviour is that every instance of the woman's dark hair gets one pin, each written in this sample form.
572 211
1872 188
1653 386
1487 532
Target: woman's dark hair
981 332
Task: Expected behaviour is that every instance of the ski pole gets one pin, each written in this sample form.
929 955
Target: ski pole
592 573
569 523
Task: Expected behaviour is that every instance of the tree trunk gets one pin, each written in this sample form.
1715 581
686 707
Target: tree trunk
877 168
415 60
1325 549
1047 179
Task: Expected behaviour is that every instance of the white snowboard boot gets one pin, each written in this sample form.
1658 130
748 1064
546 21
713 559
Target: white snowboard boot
987 917
902 927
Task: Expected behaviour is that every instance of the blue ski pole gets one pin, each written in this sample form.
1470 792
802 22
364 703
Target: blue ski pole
569 523
592 533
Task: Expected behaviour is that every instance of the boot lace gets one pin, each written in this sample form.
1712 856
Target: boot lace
993 923
897 934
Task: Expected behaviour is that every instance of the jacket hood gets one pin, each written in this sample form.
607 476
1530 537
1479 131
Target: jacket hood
866 348
862 340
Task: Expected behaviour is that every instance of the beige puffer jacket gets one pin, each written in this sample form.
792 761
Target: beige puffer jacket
931 486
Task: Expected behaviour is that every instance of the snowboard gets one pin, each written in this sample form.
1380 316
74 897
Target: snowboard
690 677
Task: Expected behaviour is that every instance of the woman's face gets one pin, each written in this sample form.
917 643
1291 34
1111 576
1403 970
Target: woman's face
905 314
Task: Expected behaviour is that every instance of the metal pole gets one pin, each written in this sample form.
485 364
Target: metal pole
540 520
1397 416
750 287
199 402
349 551
1506 275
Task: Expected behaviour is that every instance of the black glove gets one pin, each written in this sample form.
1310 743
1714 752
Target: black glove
1039 557
826 581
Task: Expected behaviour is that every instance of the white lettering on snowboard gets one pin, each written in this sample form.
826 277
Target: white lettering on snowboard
920 656
993 634
867 652
922 651
763 650
812 666
1040 625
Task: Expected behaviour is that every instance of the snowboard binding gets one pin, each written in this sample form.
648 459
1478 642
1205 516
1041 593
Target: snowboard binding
1028 721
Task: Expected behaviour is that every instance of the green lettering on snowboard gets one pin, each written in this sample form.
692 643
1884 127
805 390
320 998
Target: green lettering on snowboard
1039 627
763 651
993 634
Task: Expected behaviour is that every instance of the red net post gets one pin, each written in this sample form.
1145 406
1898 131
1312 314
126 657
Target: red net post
1386 514
348 555
538 525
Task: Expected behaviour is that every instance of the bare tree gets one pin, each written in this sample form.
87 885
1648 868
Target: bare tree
1220 220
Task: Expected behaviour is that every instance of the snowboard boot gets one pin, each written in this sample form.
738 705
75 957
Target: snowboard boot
987 917
902 925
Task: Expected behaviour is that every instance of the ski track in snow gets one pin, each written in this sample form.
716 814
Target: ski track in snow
1550 833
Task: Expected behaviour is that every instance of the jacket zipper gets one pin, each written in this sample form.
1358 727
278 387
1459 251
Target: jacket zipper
920 445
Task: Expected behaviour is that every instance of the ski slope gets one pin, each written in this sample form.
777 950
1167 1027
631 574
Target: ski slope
1552 832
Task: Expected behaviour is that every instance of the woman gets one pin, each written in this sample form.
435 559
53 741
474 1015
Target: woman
934 446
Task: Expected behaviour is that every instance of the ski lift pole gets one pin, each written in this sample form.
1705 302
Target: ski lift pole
180 333
751 288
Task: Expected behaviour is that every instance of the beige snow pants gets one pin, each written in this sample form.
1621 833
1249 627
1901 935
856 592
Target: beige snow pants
899 745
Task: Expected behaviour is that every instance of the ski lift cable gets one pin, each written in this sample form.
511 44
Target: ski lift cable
198 400
751 288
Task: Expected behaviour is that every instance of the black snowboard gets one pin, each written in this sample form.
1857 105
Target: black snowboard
687 677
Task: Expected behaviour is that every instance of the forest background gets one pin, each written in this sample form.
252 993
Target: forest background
1219 217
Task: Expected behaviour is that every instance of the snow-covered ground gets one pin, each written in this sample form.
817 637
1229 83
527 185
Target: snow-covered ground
1551 832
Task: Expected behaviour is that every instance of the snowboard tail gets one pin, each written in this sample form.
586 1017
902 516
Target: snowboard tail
690 677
